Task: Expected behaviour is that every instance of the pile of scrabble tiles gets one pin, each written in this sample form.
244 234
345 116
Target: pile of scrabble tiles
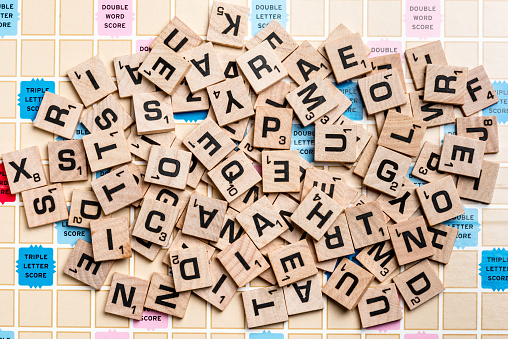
279 217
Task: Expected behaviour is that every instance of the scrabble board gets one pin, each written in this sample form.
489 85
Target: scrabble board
41 39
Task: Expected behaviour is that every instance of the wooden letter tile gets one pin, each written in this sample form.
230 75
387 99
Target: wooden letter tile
106 149
261 67
183 100
483 128
380 305
45 205
177 36
462 156
304 296
480 92
330 183
382 91
91 80
272 127
82 266
281 41
127 296
379 259
223 288
145 248
390 61
264 306
335 143
205 217
341 31
445 84
164 68
243 261
84 208
418 284
206 69
24 169
140 145
110 239
367 224
209 143
67 161
348 57
230 230
419 57
480 189
234 176
387 171
427 163
168 167
152 114
402 133
230 101
314 99
116 190
128 79
440 200
155 222
432 113
336 242
443 239
108 114
281 171
306 63
228 24
292 263
190 269
182 241
275 96
411 240
163 297
403 206
316 213
58 115
348 283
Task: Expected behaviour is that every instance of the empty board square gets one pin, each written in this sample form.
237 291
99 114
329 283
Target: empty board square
316 213
155 222
152 114
58 115
380 305
480 92
165 68
190 268
177 36
84 207
234 176
272 127
462 156
230 101
24 169
418 284
281 171
110 239
367 224
127 296
116 190
206 69
387 171
445 84
204 217
427 163
243 261
382 91
264 306
379 259
168 167
440 200
402 133
306 63
261 67
108 114
304 296
335 143
228 24
82 266
45 205
91 80
348 57
483 128
434 114
163 297
67 161
128 78
106 149
480 189
280 40
347 284
411 240
419 57
209 143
